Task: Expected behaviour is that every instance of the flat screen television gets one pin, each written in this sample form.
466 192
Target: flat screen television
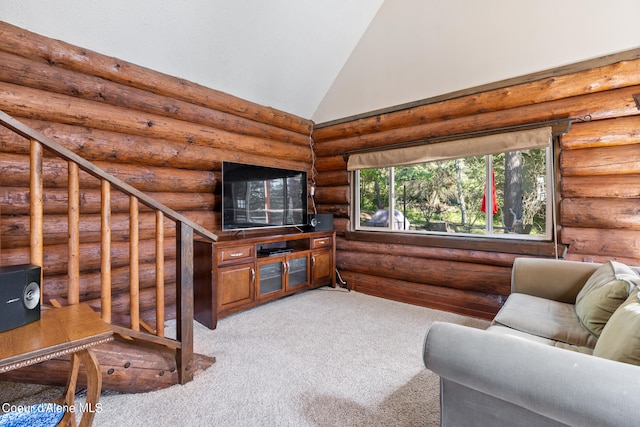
258 196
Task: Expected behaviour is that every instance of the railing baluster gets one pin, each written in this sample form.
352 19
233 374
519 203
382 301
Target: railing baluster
73 291
105 251
184 299
134 271
36 208
159 273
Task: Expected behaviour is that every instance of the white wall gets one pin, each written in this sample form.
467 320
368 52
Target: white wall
416 49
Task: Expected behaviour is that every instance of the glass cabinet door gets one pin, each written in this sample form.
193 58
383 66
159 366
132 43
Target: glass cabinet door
271 277
282 273
298 271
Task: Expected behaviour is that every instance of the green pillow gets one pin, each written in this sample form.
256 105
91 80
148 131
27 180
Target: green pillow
607 288
620 338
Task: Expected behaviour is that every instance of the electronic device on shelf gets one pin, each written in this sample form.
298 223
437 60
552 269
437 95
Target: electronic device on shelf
19 295
273 252
321 222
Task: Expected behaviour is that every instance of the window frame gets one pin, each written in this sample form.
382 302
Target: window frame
550 206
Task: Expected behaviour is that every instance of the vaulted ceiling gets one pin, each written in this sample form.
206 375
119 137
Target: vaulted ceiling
328 59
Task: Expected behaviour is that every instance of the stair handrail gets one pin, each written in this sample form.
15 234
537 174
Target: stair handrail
185 229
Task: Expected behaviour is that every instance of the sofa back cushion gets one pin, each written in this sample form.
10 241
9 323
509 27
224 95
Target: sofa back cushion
606 289
545 318
620 338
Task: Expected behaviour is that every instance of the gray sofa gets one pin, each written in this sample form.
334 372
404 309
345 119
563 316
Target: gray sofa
540 363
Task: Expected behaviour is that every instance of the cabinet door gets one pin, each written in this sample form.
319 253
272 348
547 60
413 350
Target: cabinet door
235 285
297 271
270 280
321 271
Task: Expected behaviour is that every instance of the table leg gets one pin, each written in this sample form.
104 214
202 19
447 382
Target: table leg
68 399
94 385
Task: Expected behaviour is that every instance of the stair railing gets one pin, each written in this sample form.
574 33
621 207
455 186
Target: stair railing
185 232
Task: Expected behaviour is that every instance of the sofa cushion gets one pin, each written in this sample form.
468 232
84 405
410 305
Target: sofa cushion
620 338
497 328
606 289
544 318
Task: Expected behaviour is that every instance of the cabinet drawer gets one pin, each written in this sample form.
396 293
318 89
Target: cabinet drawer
235 253
321 242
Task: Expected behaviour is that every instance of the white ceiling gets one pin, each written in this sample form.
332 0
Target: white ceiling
328 59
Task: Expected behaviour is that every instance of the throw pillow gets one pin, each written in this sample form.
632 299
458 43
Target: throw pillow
607 288
620 338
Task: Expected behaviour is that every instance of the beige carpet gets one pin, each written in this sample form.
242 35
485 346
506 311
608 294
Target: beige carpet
325 357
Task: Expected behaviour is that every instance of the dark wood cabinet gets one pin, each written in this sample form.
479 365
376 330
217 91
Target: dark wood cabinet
321 267
235 285
236 273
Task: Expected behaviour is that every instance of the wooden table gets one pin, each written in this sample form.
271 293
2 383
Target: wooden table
70 330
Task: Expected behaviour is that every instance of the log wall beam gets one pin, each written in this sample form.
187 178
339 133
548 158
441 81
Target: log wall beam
144 178
21 101
26 72
121 277
15 201
55 257
98 145
599 76
600 105
605 186
55 231
474 304
26 44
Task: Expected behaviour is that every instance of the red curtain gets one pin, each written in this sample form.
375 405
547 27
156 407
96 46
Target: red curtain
494 196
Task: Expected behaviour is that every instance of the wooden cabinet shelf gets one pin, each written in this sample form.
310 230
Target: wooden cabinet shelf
236 273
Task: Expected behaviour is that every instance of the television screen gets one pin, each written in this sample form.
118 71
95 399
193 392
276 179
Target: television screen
258 196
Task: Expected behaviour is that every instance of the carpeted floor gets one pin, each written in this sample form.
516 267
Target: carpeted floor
325 357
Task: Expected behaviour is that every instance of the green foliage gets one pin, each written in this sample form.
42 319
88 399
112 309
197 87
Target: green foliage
374 188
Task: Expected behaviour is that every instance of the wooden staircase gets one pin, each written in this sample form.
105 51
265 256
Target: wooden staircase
141 348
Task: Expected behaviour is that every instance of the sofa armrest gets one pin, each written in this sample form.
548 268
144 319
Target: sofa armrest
562 385
558 280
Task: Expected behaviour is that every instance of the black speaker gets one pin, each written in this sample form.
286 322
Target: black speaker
321 222
19 295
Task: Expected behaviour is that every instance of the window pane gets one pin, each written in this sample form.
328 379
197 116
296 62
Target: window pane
469 216
452 196
374 197
442 196
521 187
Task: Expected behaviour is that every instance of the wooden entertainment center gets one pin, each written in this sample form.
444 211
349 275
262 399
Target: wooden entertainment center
236 273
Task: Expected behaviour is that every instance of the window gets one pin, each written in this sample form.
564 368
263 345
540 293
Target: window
498 194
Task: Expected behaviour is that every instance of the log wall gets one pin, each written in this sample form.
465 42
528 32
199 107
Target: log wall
161 134
168 137
598 176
